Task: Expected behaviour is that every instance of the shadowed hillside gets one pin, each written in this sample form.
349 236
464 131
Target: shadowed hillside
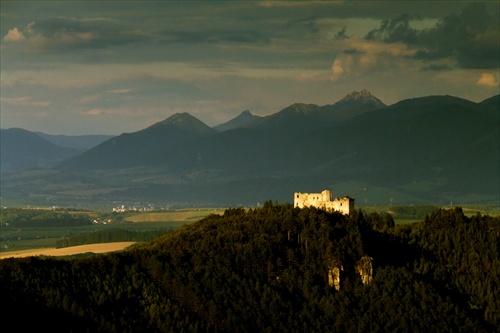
22 150
278 269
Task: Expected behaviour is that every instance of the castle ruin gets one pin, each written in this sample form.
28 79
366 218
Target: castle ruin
323 201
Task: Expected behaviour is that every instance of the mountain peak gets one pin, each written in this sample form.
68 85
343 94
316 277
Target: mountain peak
358 95
361 97
245 113
183 121
299 108
179 118
243 119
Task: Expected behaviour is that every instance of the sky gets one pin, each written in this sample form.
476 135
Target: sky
112 67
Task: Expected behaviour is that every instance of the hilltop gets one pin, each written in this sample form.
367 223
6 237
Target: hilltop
276 268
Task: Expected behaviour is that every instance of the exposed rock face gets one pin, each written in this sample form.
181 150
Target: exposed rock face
365 269
334 277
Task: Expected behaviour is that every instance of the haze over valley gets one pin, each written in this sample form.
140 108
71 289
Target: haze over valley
433 149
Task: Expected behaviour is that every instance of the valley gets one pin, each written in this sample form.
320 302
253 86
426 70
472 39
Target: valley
433 149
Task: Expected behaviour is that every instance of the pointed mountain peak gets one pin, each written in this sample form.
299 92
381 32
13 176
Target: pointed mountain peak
359 94
243 119
245 113
183 121
243 116
361 97
179 118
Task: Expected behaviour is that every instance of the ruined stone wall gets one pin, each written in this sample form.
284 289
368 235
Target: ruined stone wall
323 201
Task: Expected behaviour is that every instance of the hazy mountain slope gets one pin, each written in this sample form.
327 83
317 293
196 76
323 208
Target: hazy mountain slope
353 104
156 144
261 146
491 106
428 149
439 145
242 120
300 118
22 149
83 142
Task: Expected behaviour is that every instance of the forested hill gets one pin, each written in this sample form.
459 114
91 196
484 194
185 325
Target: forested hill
269 270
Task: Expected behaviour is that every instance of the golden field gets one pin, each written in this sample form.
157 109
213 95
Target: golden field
94 248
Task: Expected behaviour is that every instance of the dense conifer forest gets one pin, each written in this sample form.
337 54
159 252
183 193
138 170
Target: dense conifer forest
267 270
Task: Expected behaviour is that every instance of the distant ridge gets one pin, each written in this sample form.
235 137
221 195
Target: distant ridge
23 150
424 149
352 105
296 117
183 122
83 142
150 146
360 97
243 119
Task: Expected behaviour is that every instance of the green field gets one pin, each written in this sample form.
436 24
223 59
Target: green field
15 239
184 215
468 211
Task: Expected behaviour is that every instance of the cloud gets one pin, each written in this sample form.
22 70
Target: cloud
14 35
90 99
395 30
368 57
94 112
60 34
437 67
24 101
470 38
71 34
116 111
487 79
120 91
285 4
341 34
341 66
210 36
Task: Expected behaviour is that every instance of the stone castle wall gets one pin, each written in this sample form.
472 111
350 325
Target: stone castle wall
323 201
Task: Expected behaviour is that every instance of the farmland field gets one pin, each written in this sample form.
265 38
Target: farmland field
178 215
67 251
16 239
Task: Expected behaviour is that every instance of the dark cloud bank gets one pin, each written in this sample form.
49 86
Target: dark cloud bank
471 38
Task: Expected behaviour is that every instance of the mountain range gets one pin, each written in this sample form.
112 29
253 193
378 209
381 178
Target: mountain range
438 149
23 150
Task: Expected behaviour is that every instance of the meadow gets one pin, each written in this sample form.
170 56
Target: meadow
68 251
15 239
